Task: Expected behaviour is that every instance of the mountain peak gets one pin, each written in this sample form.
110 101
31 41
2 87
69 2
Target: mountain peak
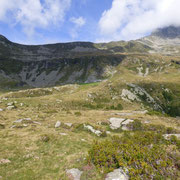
3 38
170 32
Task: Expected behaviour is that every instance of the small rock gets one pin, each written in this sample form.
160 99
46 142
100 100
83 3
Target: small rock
21 104
63 134
1 177
4 161
1 110
108 132
74 174
68 124
58 124
90 128
10 104
10 107
18 121
83 140
117 174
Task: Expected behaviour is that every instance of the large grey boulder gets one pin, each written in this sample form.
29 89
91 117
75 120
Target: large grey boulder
115 123
117 174
74 174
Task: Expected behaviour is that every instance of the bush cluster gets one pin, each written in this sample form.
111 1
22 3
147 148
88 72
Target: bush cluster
144 154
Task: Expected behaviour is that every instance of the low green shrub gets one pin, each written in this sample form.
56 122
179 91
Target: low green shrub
142 153
77 113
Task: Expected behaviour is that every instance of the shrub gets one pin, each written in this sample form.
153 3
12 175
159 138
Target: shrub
77 113
143 154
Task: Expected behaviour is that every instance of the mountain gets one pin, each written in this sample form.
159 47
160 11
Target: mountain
170 32
77 62
164 41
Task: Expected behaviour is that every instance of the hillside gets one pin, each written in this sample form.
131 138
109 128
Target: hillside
109 110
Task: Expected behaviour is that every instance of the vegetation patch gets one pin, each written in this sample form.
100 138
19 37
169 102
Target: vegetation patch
145 155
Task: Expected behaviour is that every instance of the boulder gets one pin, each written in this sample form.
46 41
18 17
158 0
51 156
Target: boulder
74 174
117 174
58 124
115 123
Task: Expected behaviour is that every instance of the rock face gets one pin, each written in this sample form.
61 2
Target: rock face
117 174
74 174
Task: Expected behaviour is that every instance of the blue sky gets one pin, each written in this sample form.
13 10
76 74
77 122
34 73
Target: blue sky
53 21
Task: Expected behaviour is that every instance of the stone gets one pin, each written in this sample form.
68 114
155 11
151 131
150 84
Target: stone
74 174
58 124
115 123
1 110
4 161
10 104
168 136
63 134
10 107
90 128
68 124
117 174
125 123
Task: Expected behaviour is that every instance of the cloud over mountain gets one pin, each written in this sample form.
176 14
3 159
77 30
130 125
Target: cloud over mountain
131 19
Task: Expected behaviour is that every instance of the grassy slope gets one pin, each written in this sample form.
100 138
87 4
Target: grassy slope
32 158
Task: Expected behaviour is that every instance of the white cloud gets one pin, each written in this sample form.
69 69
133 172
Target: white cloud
80 21
32 14
131 19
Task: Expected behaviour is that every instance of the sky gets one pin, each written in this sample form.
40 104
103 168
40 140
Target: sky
54 21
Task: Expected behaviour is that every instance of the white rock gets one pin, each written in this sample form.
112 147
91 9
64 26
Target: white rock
115 123
10 107
4 161
10 104
68 124
90 128
58 124
74 174
63 134
168 136
1 109
117 174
